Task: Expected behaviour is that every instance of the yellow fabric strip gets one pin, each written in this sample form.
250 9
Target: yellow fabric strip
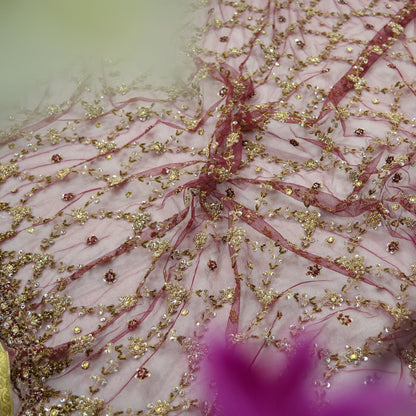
6 401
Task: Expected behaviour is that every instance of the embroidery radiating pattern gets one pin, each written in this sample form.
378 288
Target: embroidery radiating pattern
270 194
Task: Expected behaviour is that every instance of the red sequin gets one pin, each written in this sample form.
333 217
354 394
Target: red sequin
314 270
223 92
68 196
132 324
397 177
38 395
393 247
110 277
142 373
56 158
92 240
230 193
212 265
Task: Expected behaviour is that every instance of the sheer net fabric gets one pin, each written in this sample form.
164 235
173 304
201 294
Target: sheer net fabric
268 195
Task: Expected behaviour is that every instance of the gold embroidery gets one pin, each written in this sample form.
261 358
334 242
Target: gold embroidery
215 227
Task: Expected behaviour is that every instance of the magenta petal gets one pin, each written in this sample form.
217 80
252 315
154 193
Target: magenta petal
246 390
297 369
238 386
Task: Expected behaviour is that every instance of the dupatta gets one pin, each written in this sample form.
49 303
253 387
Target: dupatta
269 195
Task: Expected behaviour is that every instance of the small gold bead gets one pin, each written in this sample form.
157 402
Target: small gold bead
85 365
77 330
330 240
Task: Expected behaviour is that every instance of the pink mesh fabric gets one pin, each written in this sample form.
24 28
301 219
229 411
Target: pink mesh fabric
272 193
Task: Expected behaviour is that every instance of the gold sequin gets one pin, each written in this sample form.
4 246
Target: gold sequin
85 365
80 215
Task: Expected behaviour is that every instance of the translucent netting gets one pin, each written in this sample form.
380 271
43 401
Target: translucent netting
270 194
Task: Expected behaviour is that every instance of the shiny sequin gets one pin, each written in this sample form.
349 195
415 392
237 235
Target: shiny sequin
223 92
110 277
212 265
68 197
230 193
91 240
132 324
56 158
393 247
300 43
142 373
397 177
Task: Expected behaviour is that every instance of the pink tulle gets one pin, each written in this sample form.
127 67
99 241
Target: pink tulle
269 194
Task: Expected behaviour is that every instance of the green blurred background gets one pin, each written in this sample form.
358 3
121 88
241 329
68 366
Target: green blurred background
45 39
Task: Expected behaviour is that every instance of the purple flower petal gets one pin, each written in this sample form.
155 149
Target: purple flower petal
261 389
244 389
